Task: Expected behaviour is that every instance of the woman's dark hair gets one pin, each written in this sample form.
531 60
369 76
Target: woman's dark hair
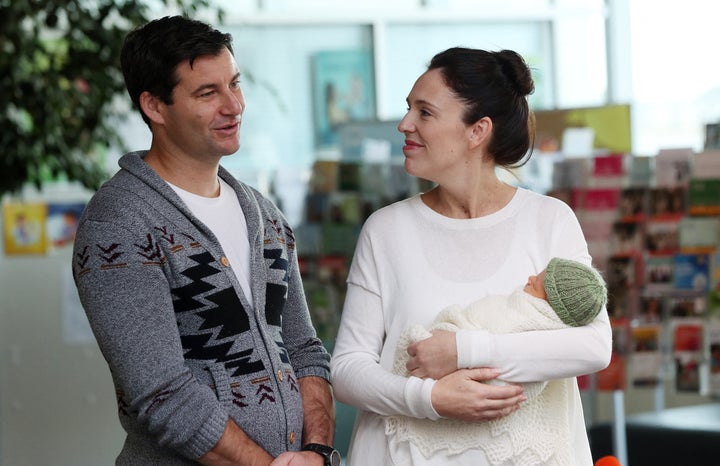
496 85
151 54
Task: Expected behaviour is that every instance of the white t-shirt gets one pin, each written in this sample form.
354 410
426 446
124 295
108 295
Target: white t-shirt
225 218
411 262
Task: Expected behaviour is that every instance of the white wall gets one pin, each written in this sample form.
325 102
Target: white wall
57 405
57 402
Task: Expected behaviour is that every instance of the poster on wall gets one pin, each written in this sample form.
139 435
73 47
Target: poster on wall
343 92
75 326
62 222
24 228
688 354
610 124
714 342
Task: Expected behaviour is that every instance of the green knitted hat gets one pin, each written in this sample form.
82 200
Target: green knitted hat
575 291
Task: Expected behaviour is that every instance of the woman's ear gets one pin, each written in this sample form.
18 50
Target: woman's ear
480 132
151 106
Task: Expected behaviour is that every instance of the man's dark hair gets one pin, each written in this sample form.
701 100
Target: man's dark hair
152 52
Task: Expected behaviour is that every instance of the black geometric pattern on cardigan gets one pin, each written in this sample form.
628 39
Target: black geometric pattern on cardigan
123 406
276 294
151 249
283 232
185 295
166 235
82 257
239 363
284 355
110 253
226 313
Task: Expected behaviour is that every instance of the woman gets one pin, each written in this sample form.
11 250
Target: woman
470 236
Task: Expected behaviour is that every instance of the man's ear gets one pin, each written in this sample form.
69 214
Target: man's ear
480 132
151 106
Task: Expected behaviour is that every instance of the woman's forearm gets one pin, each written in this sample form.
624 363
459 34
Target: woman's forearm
539 355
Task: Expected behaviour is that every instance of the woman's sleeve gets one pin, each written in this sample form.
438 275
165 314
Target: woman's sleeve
539 355
544 354
358 378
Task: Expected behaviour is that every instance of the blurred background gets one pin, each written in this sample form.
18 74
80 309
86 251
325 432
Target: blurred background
635 81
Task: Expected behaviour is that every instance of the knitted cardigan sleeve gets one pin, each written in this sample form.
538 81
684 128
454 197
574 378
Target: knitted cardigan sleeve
305 349
135 327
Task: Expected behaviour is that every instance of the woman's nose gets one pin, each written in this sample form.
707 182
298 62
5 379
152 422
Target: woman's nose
405 125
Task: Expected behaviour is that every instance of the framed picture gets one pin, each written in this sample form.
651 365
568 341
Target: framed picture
62 222
343 91
712 136
24 225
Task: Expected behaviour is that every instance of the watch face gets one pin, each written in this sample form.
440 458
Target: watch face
335 458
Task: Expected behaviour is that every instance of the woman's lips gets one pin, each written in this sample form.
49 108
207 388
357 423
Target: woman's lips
410 145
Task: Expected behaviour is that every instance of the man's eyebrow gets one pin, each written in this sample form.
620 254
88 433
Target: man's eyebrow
210 86
204 87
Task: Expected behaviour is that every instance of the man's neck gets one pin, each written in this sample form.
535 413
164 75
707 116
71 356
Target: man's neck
197 177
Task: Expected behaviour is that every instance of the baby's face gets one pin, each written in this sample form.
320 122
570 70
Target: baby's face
535 285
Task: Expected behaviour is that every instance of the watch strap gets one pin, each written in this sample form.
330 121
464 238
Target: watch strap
327 452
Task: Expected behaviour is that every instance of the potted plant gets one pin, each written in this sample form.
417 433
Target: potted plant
59 80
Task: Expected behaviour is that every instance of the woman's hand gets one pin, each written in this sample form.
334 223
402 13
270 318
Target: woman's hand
462 395
433 357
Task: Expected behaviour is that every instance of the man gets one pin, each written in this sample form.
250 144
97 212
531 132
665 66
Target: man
190 279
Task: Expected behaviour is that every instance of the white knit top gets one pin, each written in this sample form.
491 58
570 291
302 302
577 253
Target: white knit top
535 434
411 262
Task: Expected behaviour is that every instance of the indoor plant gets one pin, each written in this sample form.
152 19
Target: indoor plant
59 80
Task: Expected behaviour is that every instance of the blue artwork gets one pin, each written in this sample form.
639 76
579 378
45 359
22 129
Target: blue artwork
344 91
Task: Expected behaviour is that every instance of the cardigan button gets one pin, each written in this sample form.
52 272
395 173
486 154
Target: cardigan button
225 261
292 437
280 375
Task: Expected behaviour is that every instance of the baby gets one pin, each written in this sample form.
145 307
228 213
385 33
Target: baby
567 293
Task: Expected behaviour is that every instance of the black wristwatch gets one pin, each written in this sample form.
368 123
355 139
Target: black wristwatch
329 454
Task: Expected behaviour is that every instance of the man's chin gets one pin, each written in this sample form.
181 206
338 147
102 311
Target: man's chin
229 150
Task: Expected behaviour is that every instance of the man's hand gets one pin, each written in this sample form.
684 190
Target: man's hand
235 448
463 395
433 357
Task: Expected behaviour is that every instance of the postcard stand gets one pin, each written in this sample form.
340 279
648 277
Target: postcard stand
619 435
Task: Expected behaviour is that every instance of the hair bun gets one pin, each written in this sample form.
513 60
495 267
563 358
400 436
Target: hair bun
516 71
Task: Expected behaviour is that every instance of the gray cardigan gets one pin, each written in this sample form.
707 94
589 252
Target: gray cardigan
183 345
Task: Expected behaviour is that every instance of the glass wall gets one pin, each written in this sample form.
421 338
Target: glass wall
409 48
283 59
277 63
675 74
278 60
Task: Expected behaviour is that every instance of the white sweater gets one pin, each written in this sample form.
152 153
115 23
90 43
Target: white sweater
409 263
534 434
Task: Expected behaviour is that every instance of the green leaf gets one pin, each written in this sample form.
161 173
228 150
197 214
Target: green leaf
59 76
